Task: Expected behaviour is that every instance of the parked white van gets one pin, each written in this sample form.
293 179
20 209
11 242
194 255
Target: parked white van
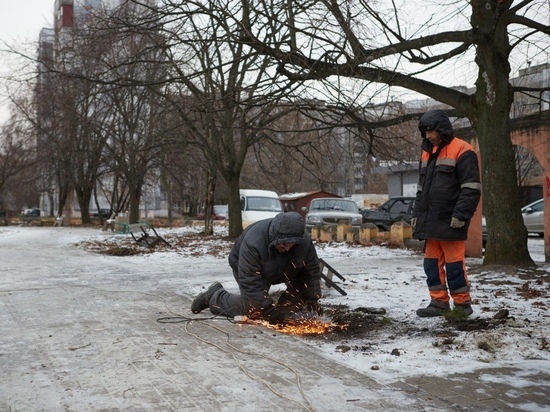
258 205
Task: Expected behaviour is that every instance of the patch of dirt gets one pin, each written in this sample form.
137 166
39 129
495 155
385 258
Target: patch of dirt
193 244
527 292
373 324
121 251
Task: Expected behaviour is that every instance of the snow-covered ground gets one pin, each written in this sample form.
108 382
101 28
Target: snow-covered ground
393 279
376 276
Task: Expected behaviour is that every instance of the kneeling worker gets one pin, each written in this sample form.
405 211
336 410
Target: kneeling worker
269 252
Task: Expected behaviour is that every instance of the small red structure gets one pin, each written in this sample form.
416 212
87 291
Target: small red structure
294 202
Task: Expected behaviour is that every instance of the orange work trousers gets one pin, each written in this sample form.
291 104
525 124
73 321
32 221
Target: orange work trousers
446 272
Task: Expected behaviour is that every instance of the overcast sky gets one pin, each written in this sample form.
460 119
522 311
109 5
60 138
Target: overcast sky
20 24
23 19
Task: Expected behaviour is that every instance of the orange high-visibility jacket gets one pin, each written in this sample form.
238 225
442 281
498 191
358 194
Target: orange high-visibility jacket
449 186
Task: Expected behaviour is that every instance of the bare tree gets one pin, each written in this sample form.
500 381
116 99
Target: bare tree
128 113
134 139
224 95
298 154
17 156
53 117
228 92
89 111
374 42
329 146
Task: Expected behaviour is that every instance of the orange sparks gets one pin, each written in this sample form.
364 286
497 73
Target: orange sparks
315 326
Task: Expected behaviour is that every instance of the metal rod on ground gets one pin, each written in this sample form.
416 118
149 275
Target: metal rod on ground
330 268
330 283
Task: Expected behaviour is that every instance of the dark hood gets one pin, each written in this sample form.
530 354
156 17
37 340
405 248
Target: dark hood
439 121
287 228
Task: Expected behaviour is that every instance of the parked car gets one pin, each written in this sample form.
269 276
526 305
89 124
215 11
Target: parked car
31 213
395 209
330 211
259 204
220 213
533 219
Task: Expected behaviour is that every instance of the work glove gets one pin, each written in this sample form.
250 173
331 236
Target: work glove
313 305
413 222
274 316
457 224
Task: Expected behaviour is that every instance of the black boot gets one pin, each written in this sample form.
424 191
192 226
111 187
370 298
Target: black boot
201 302
435 308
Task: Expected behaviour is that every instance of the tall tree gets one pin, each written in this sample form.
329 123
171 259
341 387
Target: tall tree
376 42
56 126
17 153
132 110
88 111
228 91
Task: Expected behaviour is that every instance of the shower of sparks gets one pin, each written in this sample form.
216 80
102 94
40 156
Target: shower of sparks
306 327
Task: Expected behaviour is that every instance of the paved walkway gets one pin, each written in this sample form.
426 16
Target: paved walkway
83 335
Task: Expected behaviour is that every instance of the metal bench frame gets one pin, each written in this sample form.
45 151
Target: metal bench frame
328 276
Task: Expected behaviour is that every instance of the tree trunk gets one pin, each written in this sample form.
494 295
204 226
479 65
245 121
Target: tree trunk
84 196
135 196
96 201
234 205
51 198
209 202
493 100
503 223
63 194
167 184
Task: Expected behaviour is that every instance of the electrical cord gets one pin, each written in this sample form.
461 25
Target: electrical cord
308 407
190 320
181 319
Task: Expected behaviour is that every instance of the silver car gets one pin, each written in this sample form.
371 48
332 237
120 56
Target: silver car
533 217
330 211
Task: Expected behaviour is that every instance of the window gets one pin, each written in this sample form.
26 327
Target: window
263 204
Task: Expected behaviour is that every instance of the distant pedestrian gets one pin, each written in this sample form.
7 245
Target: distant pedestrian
269 252
448 194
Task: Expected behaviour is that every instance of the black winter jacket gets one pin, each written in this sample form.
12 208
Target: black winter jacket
449 184
257 264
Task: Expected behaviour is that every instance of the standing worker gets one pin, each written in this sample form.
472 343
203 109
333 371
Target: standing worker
269 252
448 193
